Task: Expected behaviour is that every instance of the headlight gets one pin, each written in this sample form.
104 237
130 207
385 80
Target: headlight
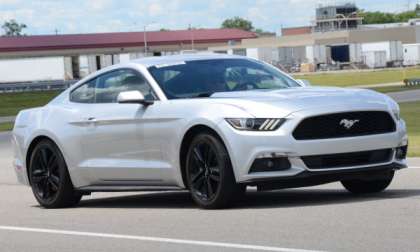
256 124
394 107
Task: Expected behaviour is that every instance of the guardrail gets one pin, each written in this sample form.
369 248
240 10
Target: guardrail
35 86
412 82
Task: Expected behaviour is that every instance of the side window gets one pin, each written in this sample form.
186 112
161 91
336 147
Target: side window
85 93
111 84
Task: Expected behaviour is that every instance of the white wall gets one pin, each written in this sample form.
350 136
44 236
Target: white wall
316 54
125 58
393 49
356 53
411 54
83 66
375 59
32 69
252 53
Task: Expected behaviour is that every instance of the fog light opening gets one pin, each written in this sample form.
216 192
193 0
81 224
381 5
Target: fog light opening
401 152
269 164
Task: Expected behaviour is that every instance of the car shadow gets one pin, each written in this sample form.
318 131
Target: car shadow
253 199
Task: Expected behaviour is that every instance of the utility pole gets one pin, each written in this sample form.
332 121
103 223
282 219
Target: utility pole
145 41
192 36
145 37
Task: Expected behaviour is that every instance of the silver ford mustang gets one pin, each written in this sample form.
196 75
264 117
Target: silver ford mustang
212 124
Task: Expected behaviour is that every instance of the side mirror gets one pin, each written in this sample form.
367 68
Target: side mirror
133 97
303 83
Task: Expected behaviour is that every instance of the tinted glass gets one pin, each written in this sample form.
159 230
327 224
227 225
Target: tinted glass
85 93
112 84
202 78
107 87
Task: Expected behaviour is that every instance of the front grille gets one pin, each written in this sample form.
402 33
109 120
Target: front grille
347 124
348 159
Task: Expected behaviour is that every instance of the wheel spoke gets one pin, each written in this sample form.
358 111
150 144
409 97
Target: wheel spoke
44 158
199 174
214 170
38 179
54 184
209 189
52 164
215 177
199 182
38 172
209 156
198 155
55 180
38 175
45 189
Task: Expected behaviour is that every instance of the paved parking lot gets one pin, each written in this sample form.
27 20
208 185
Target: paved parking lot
317 218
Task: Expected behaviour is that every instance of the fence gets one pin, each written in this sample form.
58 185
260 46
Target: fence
35 86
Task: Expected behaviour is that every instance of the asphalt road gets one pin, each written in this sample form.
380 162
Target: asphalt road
317 218
405 96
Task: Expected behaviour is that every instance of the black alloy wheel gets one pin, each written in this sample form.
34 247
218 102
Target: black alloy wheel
49 177
45 176
205 171
209 173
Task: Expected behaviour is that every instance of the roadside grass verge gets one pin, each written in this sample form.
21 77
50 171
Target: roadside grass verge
6 126
354 78
410 112
12 103
390 89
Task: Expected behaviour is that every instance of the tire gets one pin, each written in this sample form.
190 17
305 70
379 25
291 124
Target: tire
209 173
368 186
49 177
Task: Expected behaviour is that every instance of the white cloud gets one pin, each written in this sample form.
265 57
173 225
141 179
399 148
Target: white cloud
155 9
98 5
9 2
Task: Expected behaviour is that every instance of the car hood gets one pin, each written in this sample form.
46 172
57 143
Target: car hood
286 101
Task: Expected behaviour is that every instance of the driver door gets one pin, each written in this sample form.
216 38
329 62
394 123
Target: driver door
113 143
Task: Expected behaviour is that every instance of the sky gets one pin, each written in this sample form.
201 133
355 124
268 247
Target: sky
89 16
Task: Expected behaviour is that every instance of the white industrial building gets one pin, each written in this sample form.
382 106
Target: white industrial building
67 57
337 37
372 48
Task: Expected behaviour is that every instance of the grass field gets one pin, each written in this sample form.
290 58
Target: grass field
410 112
346 79
6 126
389 89
12 103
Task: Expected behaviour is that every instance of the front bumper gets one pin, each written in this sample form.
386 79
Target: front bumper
308 178
245 147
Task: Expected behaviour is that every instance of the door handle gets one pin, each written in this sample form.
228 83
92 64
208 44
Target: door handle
91 120
85 121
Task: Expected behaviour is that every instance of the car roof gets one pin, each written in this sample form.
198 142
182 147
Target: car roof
152 61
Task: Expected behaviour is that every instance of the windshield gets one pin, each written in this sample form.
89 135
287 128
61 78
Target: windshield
202 78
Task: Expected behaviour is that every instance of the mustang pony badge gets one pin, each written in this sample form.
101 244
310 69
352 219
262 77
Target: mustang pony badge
348 124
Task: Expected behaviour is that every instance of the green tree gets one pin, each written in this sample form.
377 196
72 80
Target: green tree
238 23
378 17
13 28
